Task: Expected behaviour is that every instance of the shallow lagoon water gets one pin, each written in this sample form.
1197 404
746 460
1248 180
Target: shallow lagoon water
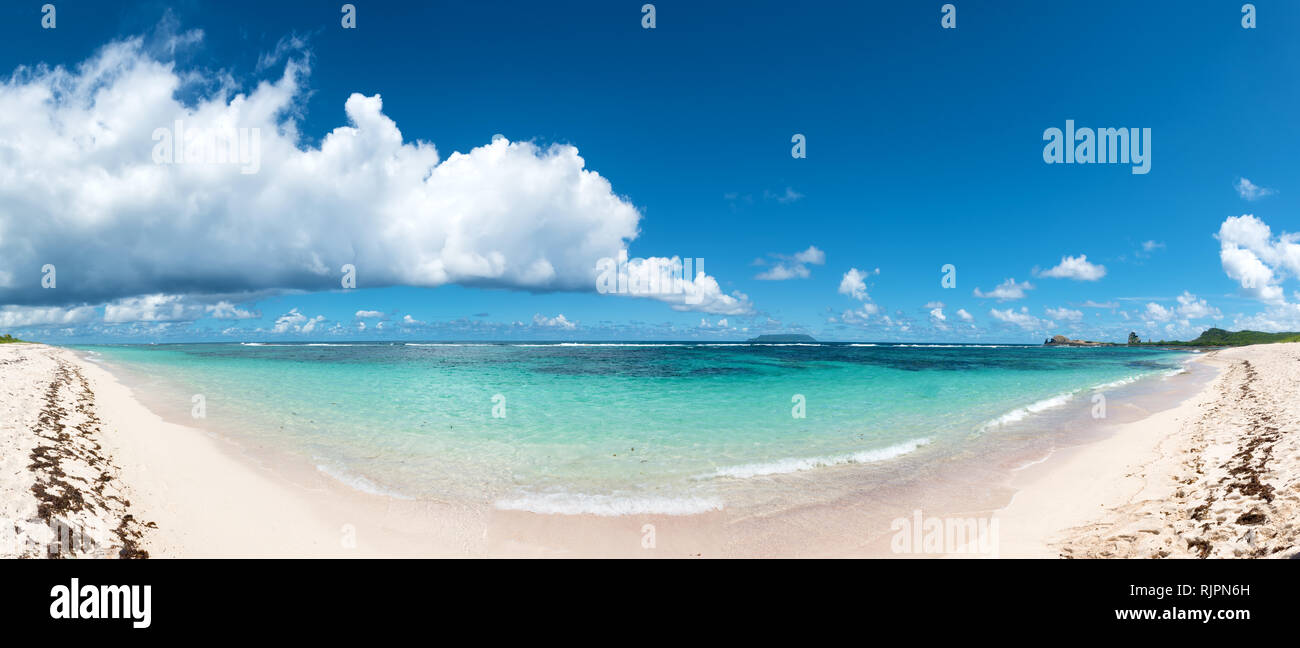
638 427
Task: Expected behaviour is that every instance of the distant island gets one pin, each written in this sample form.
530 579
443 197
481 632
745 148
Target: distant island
782 337
1215 337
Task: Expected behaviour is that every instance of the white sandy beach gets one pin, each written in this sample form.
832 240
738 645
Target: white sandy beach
193 494
1217 476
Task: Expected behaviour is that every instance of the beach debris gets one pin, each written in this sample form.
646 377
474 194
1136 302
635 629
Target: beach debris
79 495
1233 467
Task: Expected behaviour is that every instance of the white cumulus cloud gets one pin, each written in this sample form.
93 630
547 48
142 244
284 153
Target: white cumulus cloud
559 322
1157 313
1020 318
1077 268
1064 314
295 322
1190 307
666 279
16 316
1257 260
226 310
854 284
149 308
793 266
1006 291
81 189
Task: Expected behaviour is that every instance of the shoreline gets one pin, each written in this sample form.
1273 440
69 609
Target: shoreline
283 435
198 495
1216 476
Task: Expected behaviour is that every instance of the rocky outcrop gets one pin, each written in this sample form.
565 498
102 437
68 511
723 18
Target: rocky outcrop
1061 340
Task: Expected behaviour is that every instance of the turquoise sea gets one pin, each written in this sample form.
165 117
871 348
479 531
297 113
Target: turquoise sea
611 428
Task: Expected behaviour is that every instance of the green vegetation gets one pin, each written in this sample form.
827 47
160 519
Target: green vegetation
8 339
1220 337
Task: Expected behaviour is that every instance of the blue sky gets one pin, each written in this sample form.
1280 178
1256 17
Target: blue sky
925 147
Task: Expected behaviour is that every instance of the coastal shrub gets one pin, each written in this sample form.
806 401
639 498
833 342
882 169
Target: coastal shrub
1220 337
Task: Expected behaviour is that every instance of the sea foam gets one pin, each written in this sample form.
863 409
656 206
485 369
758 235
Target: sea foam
1021 413
357 482
784 466
561 503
